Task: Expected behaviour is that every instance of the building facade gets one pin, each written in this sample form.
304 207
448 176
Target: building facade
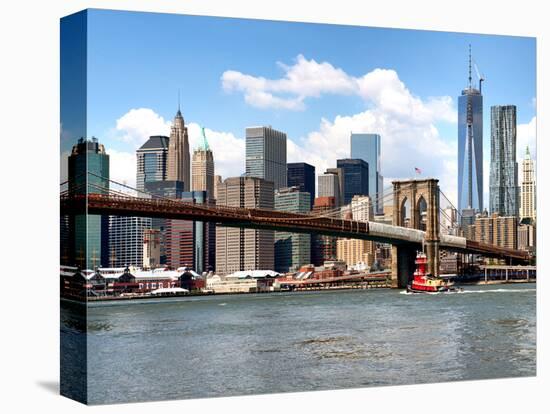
323 247
496 230
179 166
188 243
202 167
355 251
266 155
340 174
239 249
292 250
126 240
217 182
302 175
151 248
470 148
362 208
528 189
503 181
367 147
329 186
126 234
88 235
152 158
527 237
356 178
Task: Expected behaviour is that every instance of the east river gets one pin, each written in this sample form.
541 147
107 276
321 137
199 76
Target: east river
211 346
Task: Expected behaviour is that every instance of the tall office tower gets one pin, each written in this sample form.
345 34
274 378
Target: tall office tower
292 250
324 247
356 177
164 189
470 147
217 182
329 186
126 234
152 161
88 235
126 240
239 248
528 188
203 168
302 175
503 182
266 155
367 147
339 172
178 153
190 243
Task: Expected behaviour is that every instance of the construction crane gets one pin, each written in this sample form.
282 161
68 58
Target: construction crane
480 77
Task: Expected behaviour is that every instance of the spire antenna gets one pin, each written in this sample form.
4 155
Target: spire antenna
470 66
178 99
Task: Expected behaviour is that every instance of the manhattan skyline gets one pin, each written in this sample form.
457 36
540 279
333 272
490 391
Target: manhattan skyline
304 86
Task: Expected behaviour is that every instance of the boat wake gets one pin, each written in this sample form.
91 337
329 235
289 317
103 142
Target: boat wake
460 292
499 291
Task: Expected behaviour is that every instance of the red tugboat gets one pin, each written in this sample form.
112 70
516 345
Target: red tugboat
426 283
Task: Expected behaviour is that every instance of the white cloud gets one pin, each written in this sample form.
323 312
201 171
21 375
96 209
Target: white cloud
137 125
405 122
122 167
308 78
406 144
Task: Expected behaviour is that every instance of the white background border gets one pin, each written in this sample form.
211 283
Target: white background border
29 142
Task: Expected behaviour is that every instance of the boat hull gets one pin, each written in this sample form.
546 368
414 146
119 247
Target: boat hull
431 289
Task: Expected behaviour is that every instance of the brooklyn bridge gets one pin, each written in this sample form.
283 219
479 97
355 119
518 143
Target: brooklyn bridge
423 231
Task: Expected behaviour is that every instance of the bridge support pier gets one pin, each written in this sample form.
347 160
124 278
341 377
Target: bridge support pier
402 265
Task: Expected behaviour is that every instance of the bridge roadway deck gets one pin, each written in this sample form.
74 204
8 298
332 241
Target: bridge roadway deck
103 204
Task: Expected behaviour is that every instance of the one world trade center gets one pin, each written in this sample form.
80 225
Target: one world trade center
470 147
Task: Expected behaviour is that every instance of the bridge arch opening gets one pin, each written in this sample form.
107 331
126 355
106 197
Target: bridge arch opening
421 213
405 219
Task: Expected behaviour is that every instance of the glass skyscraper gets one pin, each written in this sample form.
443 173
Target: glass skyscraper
503 181
292 250
152 161
367 147
89 234
470 148
302 175
126 233
356 177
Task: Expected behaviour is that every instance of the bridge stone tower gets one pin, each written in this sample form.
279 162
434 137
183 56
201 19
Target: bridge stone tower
423 198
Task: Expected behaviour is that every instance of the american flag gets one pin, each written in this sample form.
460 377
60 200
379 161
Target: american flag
417 170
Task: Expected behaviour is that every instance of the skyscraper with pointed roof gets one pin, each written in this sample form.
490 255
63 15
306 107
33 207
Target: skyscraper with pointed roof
202 168
470 146
528 188
179 166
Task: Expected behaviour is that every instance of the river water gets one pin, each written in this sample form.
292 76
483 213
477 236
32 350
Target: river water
260 343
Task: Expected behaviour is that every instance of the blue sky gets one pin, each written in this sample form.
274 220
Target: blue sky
140 60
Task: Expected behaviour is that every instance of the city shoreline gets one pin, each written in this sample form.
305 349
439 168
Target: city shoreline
312 289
